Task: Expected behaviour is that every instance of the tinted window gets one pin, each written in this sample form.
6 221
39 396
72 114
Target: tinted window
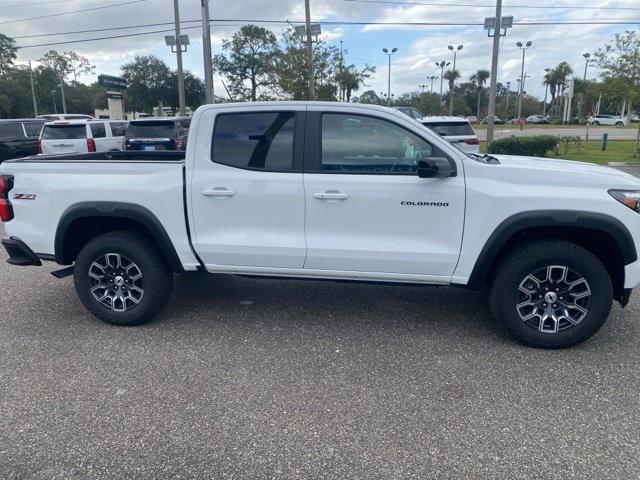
184 124
76 117
254 140
357 143
12 130
64 132
98 130
151 129
118 129
33 128
450 129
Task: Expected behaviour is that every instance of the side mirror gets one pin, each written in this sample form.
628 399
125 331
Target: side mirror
436 167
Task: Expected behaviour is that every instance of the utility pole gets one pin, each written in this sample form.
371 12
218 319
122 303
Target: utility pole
389 53
508 96
176 14
311 80
524 48
546 91
33 92
206 52
64 100
53 97
453 84
493 83
586 56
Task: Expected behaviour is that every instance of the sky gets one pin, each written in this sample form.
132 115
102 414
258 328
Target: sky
419 47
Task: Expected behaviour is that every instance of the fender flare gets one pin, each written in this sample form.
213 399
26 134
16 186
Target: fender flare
550 218
122 210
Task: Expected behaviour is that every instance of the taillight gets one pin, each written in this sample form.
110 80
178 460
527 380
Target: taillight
6 211
177 141
472 141
91 145
38 146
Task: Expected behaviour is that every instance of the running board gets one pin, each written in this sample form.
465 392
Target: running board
65 272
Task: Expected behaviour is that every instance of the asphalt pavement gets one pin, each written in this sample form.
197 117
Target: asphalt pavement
254 379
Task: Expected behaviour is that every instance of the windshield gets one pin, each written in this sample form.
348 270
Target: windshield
64 132
153 129
450 129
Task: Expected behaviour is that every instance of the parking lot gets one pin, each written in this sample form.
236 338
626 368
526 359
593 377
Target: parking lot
248 378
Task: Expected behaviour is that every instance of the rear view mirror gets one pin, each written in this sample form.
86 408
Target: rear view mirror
436 167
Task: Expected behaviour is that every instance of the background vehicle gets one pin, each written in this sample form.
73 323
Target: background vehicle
153 134
78 136
64 116
537 119
410 112
608 120
331 191
496 120
472 119
455 130
18 137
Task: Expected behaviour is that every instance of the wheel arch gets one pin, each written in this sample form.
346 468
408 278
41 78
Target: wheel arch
604 236
82 222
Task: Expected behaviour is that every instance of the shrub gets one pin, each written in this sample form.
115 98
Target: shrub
537 146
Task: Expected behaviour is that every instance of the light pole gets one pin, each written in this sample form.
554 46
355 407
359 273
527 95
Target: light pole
441 65
389 53
508 96
53 97
422 86
309 47
586 56
432 78
206 51
176 15
455 51
524 48
64 100
546 91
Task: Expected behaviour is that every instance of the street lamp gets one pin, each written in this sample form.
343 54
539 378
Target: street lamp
586 56
432 78
441 65
422 86
389 53
508 96
455 51
524 48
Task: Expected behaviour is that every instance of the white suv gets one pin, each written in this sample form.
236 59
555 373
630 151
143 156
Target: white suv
81 136
455 130
608 120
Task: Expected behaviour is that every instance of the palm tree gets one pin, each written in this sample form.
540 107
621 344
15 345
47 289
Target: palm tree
557 78
479 79
451 76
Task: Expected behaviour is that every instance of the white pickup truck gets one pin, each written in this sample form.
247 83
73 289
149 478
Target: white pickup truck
331 191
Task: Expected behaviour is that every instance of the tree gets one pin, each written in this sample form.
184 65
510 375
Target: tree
150 81
479 79
557 79
249 57
57 62
451 76
350 79
78 65
8 53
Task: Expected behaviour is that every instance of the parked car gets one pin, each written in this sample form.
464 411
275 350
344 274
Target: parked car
51 117
78 136
153 134
410 112
472 119
455 130
496 120
18 137
537 119
602 119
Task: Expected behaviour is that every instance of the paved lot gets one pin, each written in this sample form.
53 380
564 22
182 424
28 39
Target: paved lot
595 133
244 378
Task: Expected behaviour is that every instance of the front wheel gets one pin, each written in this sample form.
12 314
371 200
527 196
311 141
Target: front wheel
122 279
595 123
551 294
619 124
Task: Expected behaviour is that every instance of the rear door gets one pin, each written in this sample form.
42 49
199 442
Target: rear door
100 136
118 131
459 134
247 193
64 138
151 135
13 142
367 209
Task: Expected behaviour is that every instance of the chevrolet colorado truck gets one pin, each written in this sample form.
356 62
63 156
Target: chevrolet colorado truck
331 191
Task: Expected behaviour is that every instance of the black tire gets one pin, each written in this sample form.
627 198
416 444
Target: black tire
156 281
619 124
505 292
595 123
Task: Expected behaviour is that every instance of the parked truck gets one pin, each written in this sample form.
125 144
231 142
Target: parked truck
331 191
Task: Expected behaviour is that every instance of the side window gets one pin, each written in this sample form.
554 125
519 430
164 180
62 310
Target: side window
261 141
98 130
11 130
118 130
362 144
33 128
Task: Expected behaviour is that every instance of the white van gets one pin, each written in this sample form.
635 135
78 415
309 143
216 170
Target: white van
80 136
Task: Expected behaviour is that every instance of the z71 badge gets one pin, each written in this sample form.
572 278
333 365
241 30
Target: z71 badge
24 196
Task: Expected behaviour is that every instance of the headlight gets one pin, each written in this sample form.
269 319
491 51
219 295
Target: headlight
629 198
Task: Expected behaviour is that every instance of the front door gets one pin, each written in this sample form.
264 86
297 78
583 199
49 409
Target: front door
367 210
247 192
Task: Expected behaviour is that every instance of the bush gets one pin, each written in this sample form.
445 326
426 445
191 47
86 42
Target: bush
537 146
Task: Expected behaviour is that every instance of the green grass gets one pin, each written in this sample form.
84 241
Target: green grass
617 151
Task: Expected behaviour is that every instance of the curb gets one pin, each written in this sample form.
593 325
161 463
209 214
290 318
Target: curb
623 164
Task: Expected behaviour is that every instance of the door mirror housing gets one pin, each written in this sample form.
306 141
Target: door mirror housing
436 167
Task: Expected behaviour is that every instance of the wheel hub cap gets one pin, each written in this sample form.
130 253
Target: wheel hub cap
116 282
553 299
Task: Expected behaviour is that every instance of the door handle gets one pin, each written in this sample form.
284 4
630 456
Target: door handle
330 195
219 192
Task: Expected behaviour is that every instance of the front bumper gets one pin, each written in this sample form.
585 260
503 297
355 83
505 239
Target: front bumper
19 252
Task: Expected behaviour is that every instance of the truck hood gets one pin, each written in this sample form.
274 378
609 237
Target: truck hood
553 165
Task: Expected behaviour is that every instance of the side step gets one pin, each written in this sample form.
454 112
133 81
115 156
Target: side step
65 272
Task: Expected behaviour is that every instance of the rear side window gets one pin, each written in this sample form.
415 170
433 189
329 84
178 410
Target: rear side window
151 129
77 117
98 130
261 141
450 129
12 130
64 132
118 129
33 128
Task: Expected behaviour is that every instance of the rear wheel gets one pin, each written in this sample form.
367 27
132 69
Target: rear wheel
122 279
551 294
595 123
619 124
